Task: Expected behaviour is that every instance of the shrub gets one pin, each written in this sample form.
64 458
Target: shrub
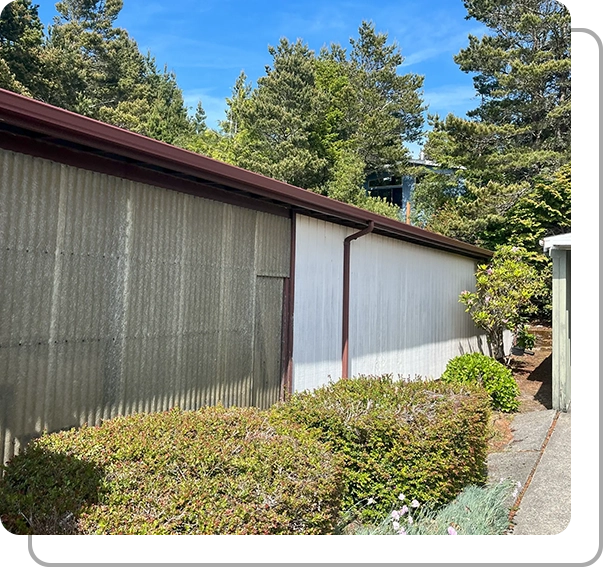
524 339
495 377
503 295
425 439
212 471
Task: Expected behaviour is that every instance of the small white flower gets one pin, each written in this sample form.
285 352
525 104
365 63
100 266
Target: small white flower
451 531
402 532
410 520
370 501
396 515
403 510
415 504
401 497
395 525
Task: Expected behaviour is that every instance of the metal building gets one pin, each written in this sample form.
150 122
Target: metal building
136 276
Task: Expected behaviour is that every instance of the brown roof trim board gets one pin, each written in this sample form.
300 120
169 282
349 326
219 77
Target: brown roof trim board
57 126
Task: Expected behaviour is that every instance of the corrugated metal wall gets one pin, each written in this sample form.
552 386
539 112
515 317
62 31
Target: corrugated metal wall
118 297
405 317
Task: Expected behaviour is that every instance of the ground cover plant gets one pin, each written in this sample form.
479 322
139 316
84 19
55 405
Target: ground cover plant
477 510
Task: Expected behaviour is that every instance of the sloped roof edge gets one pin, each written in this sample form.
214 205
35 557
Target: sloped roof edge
54 124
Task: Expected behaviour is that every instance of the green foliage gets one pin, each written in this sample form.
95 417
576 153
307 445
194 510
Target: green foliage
21 37
212 471
86 64
324 122
388 106
425 439
495 377
503 295
346 185
514 148
524 339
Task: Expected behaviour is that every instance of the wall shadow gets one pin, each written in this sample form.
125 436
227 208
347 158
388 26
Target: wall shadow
543 373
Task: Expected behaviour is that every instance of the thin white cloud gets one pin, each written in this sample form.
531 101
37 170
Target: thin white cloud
441 41
214 106
195 53
303 25
451 98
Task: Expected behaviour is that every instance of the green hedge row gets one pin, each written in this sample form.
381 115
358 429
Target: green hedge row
426 440
293 469
212 471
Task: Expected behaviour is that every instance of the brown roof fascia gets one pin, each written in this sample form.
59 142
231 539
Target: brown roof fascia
57 123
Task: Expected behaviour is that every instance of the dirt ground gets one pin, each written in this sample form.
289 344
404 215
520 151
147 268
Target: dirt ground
534 378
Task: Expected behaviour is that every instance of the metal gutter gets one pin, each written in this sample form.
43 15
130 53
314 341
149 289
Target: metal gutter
345 328
55 126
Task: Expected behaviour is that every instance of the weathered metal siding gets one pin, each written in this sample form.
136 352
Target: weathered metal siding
405 317
118 297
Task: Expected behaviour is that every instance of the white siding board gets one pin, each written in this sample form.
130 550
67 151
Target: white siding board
405 317
318 302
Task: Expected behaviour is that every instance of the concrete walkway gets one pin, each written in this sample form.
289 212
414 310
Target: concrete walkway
539 458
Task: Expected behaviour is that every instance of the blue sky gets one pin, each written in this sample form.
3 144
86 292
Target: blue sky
207 43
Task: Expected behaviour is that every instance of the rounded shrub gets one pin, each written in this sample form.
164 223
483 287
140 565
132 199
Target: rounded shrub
425 440
495 377
212 471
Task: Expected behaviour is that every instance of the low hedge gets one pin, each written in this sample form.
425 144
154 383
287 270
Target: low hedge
495 377
426 440
212 471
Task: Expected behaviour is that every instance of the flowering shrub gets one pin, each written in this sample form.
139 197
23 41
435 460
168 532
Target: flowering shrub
496 378
212 471
426 439
502 297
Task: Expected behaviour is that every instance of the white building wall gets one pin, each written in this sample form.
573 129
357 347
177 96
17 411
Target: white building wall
405 317
318 302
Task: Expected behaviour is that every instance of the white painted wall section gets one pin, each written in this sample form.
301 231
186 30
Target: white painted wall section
405 317
318 302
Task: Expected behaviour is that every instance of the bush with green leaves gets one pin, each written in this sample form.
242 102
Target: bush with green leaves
503 294
212 471
495 377
425 439
524 339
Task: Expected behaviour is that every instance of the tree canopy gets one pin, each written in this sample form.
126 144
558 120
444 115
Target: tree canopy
324 122
511 154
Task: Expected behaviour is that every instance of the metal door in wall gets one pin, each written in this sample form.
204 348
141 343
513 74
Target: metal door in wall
268 340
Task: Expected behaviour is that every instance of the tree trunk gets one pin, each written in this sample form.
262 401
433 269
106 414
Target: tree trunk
496 344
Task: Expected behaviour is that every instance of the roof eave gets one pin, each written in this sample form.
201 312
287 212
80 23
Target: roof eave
60 124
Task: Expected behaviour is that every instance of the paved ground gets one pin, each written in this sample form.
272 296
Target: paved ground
539 458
